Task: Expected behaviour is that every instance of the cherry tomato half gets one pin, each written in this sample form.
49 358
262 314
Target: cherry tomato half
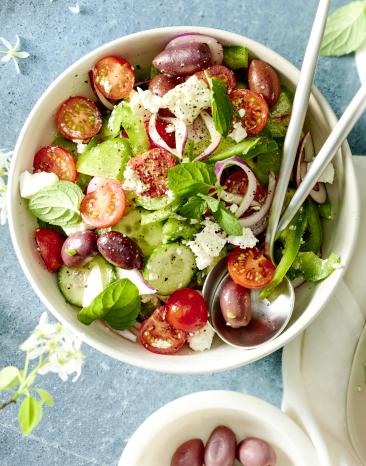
57 160
49 244
220 72
254 110
78 119
158 336
250 268
152 168
187 310
237 183
104 206
161 128
114 77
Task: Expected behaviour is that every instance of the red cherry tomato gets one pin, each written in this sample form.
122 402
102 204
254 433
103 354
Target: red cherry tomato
250 268
158 336
220 72
161 128
152 168
187 310
114 77
49 244
105 206
237 183
78 119
255 115
57 160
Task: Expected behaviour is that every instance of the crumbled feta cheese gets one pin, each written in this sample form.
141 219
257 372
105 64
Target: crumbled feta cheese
233 208
328 174
187 100
76 228
81 147
207 244
132 181
31 183
241 112
93 286
201 340
238 133
170 128
106 85
149 100
162 344
137 107
246 240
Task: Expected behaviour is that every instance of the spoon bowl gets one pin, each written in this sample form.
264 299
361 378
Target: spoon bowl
269 316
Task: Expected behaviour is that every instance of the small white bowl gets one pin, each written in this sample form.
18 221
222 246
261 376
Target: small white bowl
140 48
196 415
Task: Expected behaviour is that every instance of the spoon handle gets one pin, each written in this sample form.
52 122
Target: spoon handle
345 124
299 109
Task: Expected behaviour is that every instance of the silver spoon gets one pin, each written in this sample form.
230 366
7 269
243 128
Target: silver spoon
270 316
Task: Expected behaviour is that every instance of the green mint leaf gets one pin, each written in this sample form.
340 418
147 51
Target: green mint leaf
9 376
345 31
191 178
222 107
194 208
58 204
227 221
29 414
118 304
211 202
45 396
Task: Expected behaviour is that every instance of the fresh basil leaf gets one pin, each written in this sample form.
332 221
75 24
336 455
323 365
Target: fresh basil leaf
312 267
246 149
29 414
345 31
118 304
194 208
227 221
264 164
190 178
211 202
57 204
222 107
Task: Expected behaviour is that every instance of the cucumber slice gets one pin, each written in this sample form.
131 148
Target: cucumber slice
72 281
161 214
147 237
153 203
170 267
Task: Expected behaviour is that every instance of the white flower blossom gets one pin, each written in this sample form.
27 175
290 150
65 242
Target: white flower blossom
12 53
5 157
75 9
59 348
3 209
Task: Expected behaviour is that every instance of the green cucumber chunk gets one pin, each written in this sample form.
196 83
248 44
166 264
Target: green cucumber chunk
174 229
236 56
107 159
153 203
72 280
161 214
170 267
147 237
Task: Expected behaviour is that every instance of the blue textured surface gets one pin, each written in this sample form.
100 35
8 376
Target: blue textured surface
93 418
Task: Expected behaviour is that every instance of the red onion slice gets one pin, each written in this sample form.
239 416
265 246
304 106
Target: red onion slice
214 135
216 49
252 181
108 104
257 221
181 134
305 156
137 279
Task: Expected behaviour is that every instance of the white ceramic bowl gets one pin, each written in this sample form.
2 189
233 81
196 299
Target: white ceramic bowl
196 415
140 48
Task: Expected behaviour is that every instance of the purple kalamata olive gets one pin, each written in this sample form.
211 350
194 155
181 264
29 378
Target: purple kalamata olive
79 248
190 453
161 84
184 59
220 448
262 78
254 451
120 250
235 304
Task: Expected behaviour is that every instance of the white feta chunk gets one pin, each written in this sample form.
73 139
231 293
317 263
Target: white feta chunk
188 99
238 133
246 240
149 100
132 181
31 183
82 226
202 339
137 107
80 147
93 286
